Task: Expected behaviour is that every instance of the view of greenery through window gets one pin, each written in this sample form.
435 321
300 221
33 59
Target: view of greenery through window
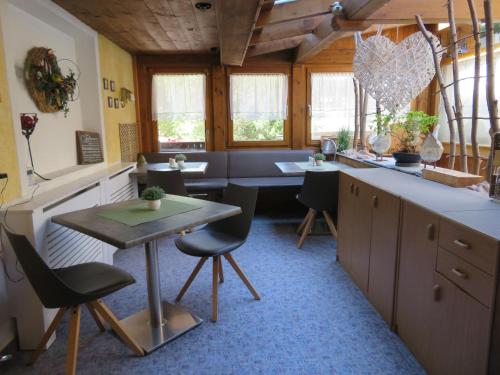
181 131
258 130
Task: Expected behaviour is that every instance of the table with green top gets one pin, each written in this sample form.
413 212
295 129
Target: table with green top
128 224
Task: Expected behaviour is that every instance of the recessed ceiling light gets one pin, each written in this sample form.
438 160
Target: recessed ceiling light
203 6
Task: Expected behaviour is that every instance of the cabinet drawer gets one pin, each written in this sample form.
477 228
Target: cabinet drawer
477 249
477 283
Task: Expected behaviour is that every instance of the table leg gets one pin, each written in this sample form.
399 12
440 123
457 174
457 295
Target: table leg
161 322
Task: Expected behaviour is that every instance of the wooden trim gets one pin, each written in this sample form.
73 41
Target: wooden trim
73 339
52 327
215 288
242 276
190 279
286 143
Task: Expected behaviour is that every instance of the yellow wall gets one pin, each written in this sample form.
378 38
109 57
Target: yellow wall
8 155
116 65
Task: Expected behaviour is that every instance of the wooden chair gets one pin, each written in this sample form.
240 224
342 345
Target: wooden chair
319 193
67 289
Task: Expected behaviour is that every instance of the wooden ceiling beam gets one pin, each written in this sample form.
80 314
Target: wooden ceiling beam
236 22
325 33
274 46
293 11
285 30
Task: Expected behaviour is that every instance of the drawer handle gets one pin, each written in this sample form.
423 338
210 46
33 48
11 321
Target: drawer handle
436 292
462 244
430 232
459 273
356 191
352 187
375 201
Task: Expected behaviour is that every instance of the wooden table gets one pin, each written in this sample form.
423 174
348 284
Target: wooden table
290 168
162 321
191 169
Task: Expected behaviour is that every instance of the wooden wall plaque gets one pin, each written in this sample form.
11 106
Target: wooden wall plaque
88 147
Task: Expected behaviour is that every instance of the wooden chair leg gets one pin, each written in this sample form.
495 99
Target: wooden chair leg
306 229
331 225
96 317
52 327
190 279
74 335
108 315
221 272
242 276
304 222
215 287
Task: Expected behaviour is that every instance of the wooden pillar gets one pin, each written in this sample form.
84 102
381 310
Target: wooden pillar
299 106
220 107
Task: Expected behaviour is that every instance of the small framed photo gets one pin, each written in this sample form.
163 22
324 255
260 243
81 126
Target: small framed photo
105 83
117 103
112 86
110 101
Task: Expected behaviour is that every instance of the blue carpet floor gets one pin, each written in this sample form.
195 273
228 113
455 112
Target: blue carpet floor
311 320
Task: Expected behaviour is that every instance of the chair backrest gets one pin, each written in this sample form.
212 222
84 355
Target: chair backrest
170 181
239 225
51 290
320 190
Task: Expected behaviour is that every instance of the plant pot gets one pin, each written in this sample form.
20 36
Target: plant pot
154 205
180 164
406 158
318 163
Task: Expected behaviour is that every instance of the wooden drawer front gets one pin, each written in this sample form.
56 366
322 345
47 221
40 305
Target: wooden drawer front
477 283
477 249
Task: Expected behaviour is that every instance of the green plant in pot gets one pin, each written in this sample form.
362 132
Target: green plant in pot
153 196
343 139
408 131
180 159
381 139
319 158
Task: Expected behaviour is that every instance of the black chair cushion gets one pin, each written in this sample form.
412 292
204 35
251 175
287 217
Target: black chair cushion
208 243
195 184
95 280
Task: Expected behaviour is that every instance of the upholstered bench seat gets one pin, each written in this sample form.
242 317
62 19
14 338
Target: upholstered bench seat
203 184
268 182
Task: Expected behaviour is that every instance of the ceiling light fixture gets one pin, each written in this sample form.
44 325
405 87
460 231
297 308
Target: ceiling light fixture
203 6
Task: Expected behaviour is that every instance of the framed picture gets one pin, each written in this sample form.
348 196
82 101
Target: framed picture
117 103
110 101
105 83
112 86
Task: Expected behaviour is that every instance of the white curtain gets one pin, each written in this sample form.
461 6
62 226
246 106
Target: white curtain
466 69
178 97
258 96
333 103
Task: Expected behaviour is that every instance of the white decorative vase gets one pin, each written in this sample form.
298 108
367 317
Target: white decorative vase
432 149
319 163
154 205
381 144
180 164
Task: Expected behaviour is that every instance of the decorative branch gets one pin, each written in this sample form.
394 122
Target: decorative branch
362 124
444 94
356 114
476 158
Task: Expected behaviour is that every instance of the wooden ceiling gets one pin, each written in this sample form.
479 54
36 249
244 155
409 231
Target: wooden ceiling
241 28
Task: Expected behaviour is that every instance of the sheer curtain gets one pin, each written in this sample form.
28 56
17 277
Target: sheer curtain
258 96
178 96
333 103
466 68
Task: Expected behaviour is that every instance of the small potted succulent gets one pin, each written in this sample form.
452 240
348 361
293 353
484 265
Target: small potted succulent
153 196
180 159
408 132
319 158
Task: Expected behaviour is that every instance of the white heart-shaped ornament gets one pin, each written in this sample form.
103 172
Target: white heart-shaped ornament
394 74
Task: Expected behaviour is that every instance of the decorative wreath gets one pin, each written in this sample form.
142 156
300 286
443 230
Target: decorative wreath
48 86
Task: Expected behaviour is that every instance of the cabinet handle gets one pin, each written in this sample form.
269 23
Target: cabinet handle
462 244
375 201
430 232
356 191
459 273
352 187
436 292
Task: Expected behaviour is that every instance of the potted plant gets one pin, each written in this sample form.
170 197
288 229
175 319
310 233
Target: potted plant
153 196
408 132
319 158
180 159
343 139
382 139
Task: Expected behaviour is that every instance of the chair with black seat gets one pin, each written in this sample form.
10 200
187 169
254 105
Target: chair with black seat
319 193
171 182
219 239
69 288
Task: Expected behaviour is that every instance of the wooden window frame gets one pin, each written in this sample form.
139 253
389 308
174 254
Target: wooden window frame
209 123
323 69
286 142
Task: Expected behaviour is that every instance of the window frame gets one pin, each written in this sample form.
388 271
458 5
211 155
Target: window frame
286 142
337 69
209 142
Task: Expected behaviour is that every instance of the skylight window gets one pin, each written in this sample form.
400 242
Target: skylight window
278 2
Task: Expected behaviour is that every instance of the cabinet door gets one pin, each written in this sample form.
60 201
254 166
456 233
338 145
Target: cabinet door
345 220
383 252
416 278
459 331
361 236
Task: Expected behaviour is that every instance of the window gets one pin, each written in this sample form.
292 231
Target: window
258 104
332 104
466 68
179 109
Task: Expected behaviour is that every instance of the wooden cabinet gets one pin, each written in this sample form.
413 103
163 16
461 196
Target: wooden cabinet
345 221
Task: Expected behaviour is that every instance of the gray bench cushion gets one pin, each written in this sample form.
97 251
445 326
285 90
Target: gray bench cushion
268 182
217 161
261 163
199 184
